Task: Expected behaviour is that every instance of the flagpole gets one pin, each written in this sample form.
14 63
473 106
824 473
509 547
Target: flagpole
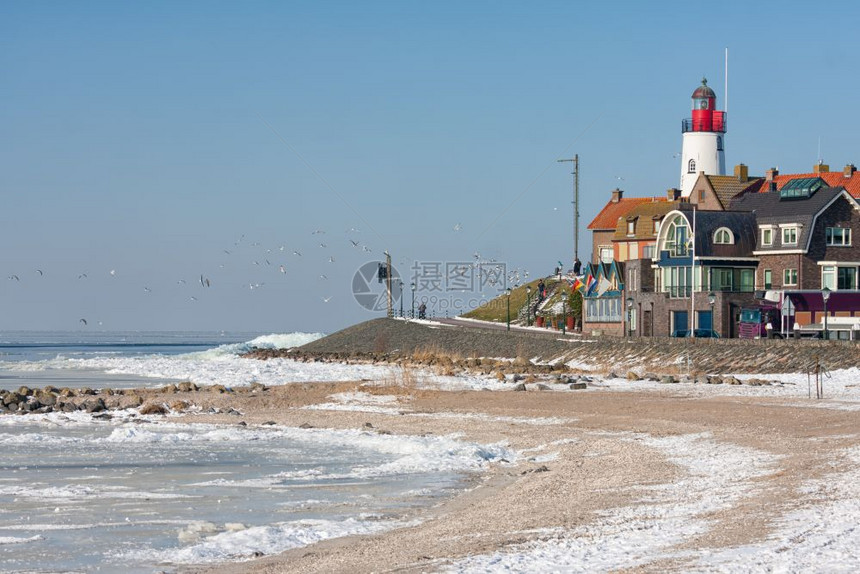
693 278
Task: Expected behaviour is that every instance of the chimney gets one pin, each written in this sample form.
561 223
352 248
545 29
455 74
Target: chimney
742 172
672 194
849 170
771 173
820 167
616 195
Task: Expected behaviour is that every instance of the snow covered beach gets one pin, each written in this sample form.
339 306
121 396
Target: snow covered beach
640 475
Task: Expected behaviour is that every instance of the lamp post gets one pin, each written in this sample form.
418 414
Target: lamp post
412 286
563 312
712 298
529 305
630 316
508 293
401 299
825 295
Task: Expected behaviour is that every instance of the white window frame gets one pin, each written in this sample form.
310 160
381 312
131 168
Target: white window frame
631 227
828 277
605 249
845 232
691 166
789 277
726 233
787 231
764 232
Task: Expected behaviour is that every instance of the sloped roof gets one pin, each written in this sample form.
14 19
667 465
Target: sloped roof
742 224
770 209
646 213
607 219
832 178
726 187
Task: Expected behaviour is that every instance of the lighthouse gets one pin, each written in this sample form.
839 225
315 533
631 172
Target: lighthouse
702 147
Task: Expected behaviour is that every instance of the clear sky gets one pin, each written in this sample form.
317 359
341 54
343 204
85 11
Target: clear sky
145 145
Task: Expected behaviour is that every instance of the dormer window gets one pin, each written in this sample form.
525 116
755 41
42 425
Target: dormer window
691 166
676 237
724 236
789 235
766 237
801 188
631 227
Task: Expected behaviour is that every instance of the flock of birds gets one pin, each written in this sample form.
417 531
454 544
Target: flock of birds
287 262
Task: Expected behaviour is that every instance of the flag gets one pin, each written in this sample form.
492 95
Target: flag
604 286
576 283
590 284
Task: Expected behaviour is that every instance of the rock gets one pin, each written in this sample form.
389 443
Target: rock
186 387
668 380
368 426
169 389
541 387
153 409
701 379
94 405
518 377
13 398
103 416
519 387
715 380
218 389
631 376
179 406
86 391
651 377
305 426
67 392
500 376
69 407
578 386
268 423
26 391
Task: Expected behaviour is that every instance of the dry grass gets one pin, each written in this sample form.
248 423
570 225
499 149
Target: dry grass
404 377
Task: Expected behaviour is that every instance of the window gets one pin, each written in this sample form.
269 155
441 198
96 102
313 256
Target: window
656 226
719 143
828 277
789 236
723 236
676 237
767 236
702 195
632 280
691 166
768 279
789 277
631 227
648 252
838 236
723 280
606 253
603 310
846 278
747 280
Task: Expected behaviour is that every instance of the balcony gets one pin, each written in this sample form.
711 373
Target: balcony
715 124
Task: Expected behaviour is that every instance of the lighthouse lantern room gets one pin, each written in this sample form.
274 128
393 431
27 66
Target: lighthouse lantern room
703 133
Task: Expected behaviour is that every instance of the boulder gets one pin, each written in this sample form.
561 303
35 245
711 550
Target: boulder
631 376
668 380
96 405
541 387
153 409
578 386
519 387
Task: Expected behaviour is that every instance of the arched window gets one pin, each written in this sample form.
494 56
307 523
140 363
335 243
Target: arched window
677 236
724 236
691 167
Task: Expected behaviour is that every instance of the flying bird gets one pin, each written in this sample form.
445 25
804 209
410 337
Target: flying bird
84 321
193 298
82 276
354 243
323 245
297 253
331 259
113 272
39 271
15 277
318 232
327 299
282 269
323 277
147 289
204 281
458 227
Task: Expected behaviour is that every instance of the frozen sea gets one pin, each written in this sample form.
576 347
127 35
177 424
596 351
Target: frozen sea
143 494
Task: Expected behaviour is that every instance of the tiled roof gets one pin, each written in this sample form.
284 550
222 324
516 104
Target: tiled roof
727 187
769 209
833 179
645 213
607 219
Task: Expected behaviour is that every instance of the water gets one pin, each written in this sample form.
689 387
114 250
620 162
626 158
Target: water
143 494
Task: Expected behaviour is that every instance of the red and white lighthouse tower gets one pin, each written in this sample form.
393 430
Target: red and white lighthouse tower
702 148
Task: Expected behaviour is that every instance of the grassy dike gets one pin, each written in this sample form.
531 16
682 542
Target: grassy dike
496 310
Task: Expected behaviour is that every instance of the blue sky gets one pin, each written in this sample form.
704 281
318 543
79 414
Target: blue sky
150 139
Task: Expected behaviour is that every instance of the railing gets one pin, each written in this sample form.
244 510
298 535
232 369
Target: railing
717 123
676 292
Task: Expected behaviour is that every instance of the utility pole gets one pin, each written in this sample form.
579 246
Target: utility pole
575 160
388 283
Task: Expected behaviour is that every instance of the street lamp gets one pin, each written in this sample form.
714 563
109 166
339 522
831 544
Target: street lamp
825 295
401 299
508 292
529 305
412 286
630 316
563 311
712 298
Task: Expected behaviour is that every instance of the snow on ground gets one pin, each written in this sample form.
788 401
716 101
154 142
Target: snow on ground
715 476
822 537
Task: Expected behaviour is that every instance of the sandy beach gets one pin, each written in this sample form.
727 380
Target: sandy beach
631 481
